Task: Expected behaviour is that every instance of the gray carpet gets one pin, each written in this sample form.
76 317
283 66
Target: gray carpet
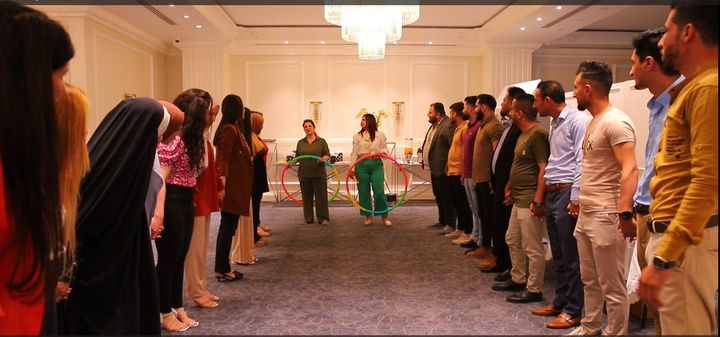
351 279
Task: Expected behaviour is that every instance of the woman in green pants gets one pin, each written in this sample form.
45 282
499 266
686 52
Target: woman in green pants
370 172
313 179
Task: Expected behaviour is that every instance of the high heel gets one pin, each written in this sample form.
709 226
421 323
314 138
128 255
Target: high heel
237 276
183 317
172 324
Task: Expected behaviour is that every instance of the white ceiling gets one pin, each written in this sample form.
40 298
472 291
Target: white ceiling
459 29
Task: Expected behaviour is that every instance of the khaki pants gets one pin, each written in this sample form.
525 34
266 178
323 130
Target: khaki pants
524 238
196 259
243 245
602 266
643 236
689 293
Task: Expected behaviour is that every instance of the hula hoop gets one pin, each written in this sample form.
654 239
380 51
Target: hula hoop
308 156
400 201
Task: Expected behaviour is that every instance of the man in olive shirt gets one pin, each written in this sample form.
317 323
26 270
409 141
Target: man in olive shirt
684 241
526 190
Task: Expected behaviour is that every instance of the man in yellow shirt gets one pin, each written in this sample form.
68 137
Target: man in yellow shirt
684 238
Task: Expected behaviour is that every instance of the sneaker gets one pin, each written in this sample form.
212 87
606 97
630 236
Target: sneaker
470 245
581 331
436 225
463 238
447 228
453 235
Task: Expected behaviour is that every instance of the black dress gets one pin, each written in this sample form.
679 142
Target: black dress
115 290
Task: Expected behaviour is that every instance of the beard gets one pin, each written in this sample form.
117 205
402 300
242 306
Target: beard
581 106
669 60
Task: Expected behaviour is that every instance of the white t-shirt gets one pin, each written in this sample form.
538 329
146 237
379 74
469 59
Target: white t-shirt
600 180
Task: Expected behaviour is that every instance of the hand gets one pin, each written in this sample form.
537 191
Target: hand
573 210
221 194
538 212
62 291
508 198
652 281
324 158
628 227
156 227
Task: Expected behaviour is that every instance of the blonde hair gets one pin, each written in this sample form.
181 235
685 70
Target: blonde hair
257 121
72 110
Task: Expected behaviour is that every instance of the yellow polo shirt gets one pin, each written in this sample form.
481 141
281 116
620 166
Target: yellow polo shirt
685 186
455 160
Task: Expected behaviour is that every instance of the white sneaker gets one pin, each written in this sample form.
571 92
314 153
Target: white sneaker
462 239
447 229
581 331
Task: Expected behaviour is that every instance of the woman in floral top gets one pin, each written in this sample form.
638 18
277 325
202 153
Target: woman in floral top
180 162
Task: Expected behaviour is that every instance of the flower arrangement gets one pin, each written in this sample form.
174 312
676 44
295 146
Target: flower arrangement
379 116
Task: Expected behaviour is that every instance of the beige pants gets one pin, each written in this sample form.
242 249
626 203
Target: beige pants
643 236
243 245
196 259
602 252
524 238
689 293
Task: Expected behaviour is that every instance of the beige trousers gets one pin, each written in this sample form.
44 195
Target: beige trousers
243 245
643 236
196 259
602 252
689 294
524 238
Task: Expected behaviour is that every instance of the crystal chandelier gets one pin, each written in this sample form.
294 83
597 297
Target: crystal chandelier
371 26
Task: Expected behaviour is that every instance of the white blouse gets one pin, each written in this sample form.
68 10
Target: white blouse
362 144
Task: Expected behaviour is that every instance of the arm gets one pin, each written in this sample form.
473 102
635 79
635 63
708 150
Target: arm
539 193
578 135
156 223
325 150
625 156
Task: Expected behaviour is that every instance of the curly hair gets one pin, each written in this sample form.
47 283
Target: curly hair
196 104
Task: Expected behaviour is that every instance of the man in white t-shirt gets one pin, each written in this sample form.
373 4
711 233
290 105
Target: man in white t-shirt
607 185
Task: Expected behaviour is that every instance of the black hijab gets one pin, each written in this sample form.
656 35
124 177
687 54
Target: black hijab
115 290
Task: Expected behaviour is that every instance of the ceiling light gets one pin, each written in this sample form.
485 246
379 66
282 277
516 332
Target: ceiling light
186 16
429 42
198 26
522 28
539 18
286 42
558 7
394 42
322 42
171 5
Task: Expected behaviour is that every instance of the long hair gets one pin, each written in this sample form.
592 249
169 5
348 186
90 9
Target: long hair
72 110
32 47
196 104
370 126
232 113
247 127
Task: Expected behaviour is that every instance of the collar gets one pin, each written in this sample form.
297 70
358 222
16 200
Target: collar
711 66
664 98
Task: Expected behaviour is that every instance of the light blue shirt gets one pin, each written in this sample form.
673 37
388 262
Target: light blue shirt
658 111
566 137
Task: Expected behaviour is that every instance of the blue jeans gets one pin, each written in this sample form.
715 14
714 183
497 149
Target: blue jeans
472 199
561 226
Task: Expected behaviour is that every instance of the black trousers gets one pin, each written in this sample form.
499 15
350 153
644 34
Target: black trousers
462 206
561 226
173 245
228 226
256 200
443 198
485 211
500 220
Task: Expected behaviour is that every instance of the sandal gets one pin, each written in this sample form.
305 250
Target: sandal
172 324
213 297
368 222
182 316
253 261
205 303
237 276
265 228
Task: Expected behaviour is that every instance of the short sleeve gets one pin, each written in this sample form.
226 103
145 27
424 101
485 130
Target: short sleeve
621 131
540 147
169 154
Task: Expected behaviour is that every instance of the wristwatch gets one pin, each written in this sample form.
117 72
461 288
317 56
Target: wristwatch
538 204
661 264
626 216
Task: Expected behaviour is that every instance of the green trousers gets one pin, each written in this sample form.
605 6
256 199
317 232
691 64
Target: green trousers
314 187
370 173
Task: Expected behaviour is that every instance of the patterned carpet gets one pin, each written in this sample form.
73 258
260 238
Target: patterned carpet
351 279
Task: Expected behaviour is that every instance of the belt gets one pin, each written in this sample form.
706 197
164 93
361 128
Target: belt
641 209
554 187
660 226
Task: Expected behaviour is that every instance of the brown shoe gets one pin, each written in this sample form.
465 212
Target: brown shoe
548 310
488 261
262 243
563 321
480 252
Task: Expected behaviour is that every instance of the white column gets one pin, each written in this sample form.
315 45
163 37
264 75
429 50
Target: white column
506 64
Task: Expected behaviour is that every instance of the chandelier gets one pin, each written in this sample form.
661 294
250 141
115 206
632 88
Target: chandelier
371 26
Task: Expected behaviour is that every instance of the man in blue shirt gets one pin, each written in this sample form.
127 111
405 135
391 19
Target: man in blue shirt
562 190
648 72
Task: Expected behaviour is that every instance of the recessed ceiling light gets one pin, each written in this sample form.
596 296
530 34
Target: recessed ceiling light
322 42
198 26
286 42
394 42
430 42
186 16
522 28
539 18
171 5
558 7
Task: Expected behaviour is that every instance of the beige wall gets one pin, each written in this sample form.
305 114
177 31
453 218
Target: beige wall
561 64
173 78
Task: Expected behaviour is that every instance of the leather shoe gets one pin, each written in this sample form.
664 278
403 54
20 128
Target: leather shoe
436 225
525 297
488 262
494 269
471 245
563 321
508 285
504 276
548 310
